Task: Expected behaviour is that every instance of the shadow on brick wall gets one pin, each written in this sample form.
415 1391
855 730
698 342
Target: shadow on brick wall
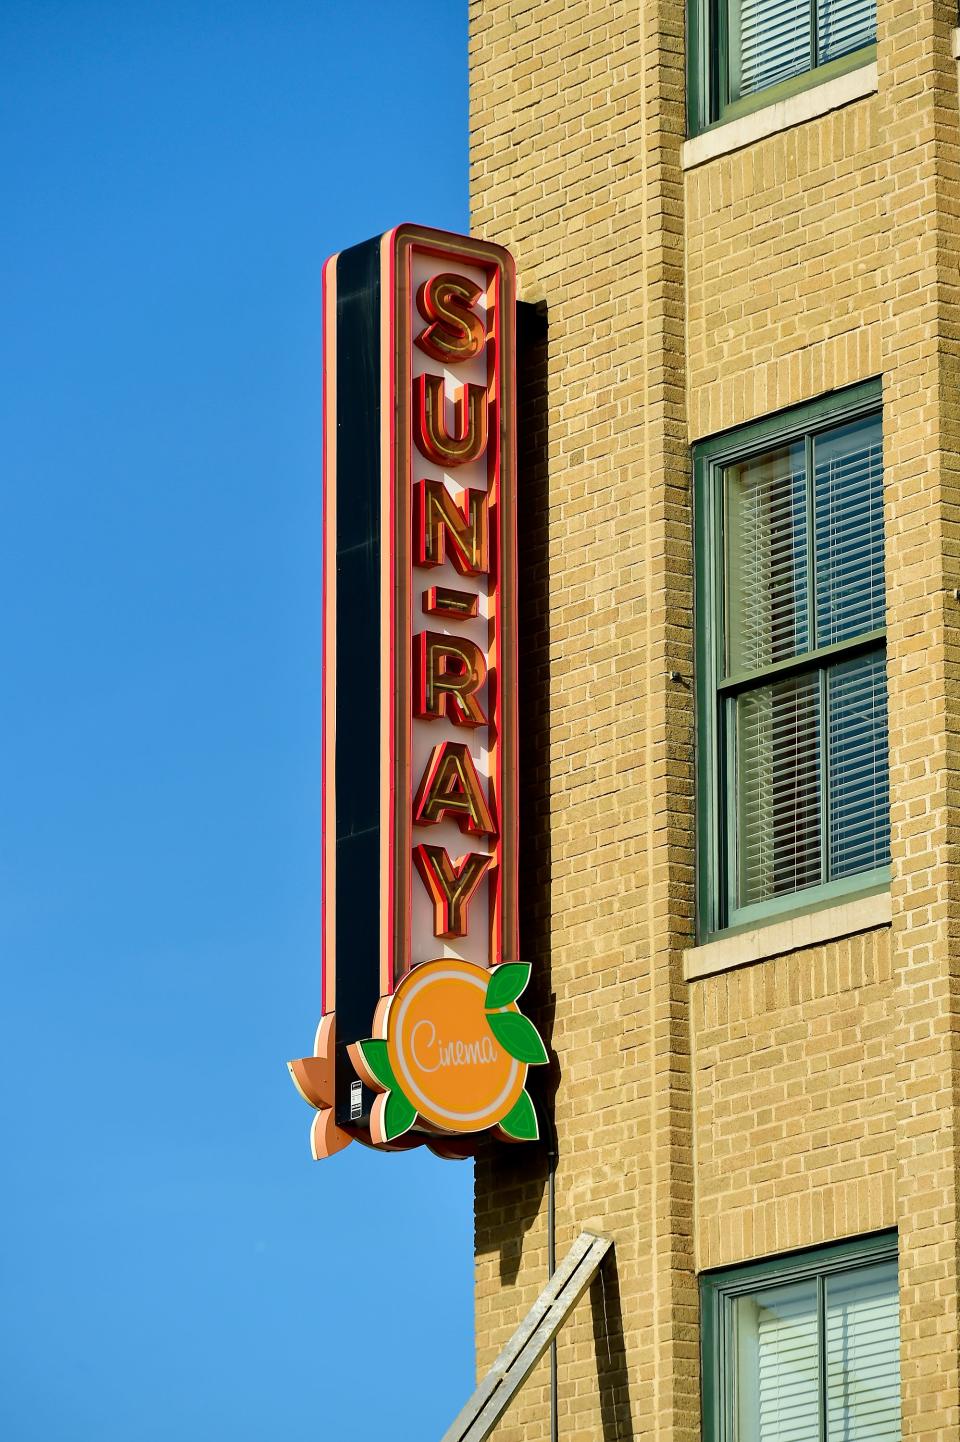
612 1381
511 1179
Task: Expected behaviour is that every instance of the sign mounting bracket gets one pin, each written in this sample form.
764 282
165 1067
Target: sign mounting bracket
531 1339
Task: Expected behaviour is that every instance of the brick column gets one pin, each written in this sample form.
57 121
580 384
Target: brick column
918 91
576 123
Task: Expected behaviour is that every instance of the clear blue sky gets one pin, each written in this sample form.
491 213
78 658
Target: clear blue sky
175 1266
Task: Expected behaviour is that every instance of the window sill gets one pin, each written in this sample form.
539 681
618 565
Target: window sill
812 928
782 115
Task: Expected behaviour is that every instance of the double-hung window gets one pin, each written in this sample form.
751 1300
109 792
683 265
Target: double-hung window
748 53
792 782
804 1348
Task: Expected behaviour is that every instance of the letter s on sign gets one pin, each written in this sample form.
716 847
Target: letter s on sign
455 332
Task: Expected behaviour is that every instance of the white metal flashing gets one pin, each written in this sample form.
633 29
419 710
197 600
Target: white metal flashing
813 928
783 115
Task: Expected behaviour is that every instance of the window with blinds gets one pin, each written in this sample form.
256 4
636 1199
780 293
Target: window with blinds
805 578
805 1351
774 40
792 683
777 1382
748 53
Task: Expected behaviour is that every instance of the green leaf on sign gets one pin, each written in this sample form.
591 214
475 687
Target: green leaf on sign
374 1053
521 1120
506 983
399 1115
518 1036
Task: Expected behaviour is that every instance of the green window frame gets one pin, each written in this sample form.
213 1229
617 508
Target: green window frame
791 731
803 1347
717 90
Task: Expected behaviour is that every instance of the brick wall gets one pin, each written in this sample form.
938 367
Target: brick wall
811 1096
794 1103
921 454
784 246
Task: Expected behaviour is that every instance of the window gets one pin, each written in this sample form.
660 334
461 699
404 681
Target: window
792 782
804 1349
748 53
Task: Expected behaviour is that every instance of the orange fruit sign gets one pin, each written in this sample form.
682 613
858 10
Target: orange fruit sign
443 1052
453 1052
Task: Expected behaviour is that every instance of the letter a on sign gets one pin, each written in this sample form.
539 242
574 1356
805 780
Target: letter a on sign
421 1038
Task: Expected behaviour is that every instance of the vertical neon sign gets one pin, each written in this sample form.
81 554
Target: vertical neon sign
421 1038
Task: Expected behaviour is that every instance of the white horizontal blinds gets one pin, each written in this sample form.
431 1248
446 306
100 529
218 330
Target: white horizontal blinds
850 596
778 750
768 41
777 727
804 572
776 1392
863 1355
848 530
767 611
844 26
859 797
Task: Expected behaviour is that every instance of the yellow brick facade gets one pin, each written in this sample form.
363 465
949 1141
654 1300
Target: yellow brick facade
809 1096
795 1109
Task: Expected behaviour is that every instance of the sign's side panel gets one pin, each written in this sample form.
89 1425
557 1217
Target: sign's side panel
328 798
395 620
357 695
